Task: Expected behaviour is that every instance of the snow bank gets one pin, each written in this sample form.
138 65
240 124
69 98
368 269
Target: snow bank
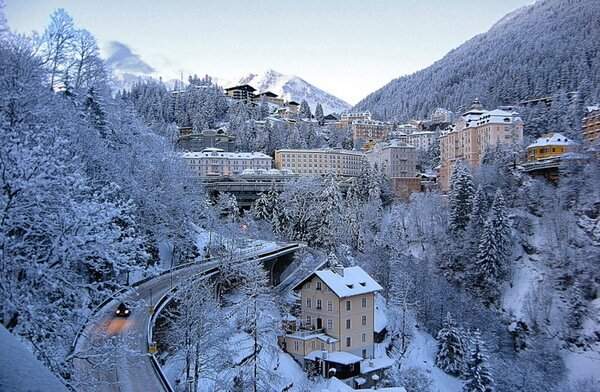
20 371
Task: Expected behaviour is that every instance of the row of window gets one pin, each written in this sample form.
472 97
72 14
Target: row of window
330 322
318 304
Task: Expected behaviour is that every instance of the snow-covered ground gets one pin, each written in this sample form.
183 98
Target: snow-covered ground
421 354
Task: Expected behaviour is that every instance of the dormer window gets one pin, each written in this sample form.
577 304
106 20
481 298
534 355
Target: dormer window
350 286
363 284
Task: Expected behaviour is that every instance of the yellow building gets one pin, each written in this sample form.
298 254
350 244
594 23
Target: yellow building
337 318
549 146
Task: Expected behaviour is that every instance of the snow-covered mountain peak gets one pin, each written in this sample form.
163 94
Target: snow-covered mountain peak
292 87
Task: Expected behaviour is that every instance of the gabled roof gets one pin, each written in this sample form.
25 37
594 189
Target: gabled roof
268 94
555 139
246 87
355 281
293 103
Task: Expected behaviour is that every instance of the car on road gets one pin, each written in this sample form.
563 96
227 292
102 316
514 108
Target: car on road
122 310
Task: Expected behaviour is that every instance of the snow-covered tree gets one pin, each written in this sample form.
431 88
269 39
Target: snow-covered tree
197 333
460 198
305 110
452 354
479 377
319 116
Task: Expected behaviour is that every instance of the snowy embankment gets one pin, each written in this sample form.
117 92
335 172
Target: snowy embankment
20 371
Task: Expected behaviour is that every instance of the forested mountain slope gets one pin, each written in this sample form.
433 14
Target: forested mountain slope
548 48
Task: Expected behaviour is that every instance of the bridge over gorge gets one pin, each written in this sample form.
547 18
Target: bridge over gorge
247 189
114 353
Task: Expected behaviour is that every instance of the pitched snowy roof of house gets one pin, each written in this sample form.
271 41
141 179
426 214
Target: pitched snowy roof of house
354 281
554 139
341 357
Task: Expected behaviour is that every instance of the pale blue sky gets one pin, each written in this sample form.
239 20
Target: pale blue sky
346 47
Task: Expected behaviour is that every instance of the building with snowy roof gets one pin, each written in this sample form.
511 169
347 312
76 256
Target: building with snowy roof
473 133
549 146
216 162
336 323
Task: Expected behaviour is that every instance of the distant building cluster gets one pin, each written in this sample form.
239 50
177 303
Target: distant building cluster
249 94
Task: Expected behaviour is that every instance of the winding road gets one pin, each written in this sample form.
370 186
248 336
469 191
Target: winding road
111 353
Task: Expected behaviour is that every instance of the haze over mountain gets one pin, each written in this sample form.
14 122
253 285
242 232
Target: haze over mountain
548 48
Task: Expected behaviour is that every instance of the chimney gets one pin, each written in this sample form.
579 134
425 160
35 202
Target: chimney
335 265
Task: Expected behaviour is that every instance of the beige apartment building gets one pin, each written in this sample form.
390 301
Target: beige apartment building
591 125
368 132
317 162
336 317
398 160
473 133
216 162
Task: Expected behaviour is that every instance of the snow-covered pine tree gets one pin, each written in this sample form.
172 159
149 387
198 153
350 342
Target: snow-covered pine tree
488 267
319 116
479 213
305 110
479 377
452 355
330 212
461 195
501 225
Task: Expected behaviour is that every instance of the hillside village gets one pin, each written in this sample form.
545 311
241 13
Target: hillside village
196 237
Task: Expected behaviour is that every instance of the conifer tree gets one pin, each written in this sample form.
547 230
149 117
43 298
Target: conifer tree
479 378
501 224
461 195
452 356
488 266
319 114
305 110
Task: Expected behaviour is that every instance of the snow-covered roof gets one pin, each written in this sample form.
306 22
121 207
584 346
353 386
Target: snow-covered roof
308 335
554 139
341 357
592 108
218 153
317 150
371 365
380 318
354 281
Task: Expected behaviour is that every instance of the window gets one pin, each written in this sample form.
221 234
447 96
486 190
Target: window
329 306
348 306
312 344
322 346
364 320
348 324
364 353
329 324
364 337
364 302
348 341
308 321
319 304
296 345
318 285
308 303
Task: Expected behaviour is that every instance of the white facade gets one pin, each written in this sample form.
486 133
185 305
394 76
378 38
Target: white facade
421 140
216 162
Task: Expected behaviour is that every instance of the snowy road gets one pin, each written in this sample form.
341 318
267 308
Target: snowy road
112 352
